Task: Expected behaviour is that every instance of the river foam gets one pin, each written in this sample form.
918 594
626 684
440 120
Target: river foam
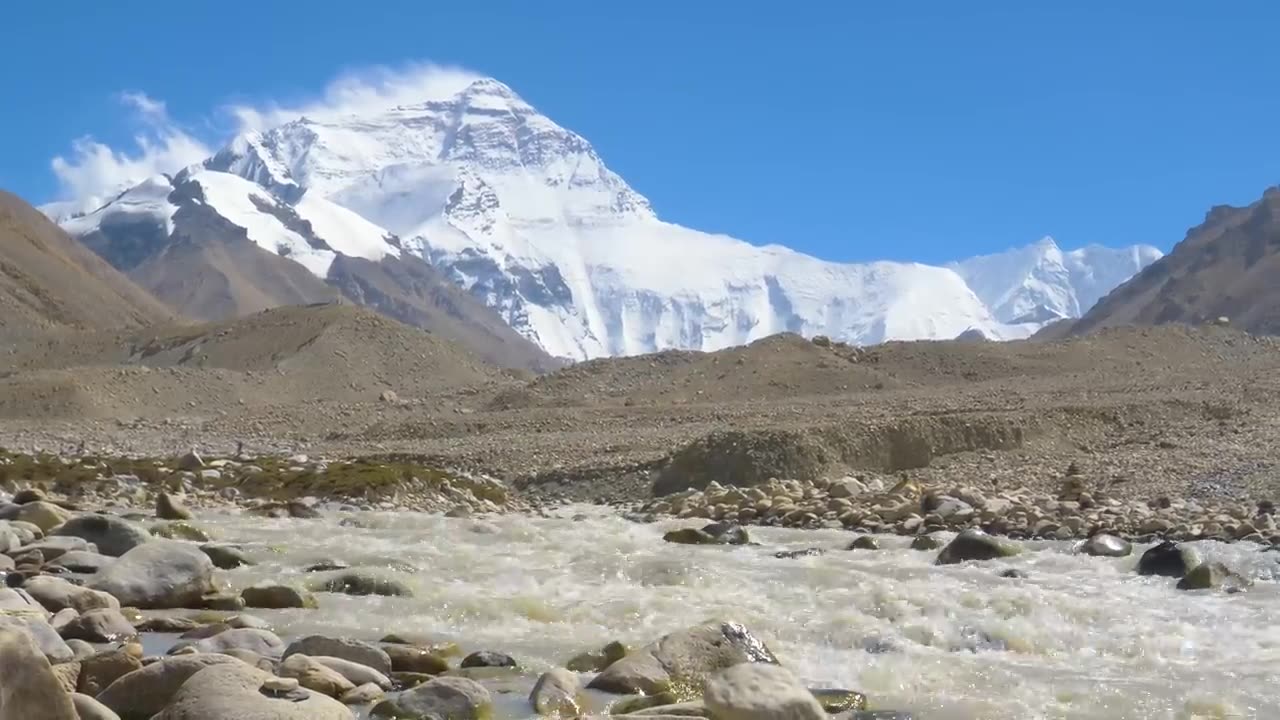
1077 638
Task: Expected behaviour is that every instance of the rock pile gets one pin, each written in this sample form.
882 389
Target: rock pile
907 508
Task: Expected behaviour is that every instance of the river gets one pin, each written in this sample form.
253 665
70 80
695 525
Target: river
1078 637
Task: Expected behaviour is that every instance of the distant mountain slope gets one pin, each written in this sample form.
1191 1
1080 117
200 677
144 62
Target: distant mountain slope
1227 266
524 216
49 280
216 246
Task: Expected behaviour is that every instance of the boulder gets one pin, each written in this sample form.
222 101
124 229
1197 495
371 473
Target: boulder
598 660
316 676
78 561
1168 559
974 544
362 582
683 660
835 701
55 546
88 708
262 642
55 593
158 574
1104 545
448 698
865 542
754 691
226 557
355 672
407 658
145 692
253 659
1212 575
29 688
237 691
170 507
46 639
365 694
99 670
68 674
179 530
485 658
29 495
557 693
99 626
44 515
925 542
274 596
713 534
112 535
354 650
81 650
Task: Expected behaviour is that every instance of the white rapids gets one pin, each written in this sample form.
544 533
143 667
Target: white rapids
1077 638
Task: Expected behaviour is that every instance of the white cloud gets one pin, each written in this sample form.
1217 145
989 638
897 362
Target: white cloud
95 171
363 90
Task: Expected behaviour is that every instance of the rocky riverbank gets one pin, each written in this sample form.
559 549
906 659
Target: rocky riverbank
1076 511
91 594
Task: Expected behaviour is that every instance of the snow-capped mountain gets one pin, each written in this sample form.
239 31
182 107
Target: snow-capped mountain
524 215
1041 282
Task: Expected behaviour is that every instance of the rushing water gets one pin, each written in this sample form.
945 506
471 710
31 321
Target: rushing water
1079 637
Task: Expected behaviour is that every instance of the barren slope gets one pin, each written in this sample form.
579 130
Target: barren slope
1226 267
48 280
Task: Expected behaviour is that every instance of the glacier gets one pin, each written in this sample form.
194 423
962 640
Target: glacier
525 215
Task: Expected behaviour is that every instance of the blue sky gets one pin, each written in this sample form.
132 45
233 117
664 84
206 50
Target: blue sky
909 130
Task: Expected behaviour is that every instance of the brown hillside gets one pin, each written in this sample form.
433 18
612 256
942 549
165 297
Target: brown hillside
1226 267
284 356
48 280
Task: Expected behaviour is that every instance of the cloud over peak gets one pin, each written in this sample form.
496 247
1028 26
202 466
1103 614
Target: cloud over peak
93 172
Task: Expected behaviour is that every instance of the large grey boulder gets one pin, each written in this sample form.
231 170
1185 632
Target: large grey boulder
17 601
42 634
759 692
143 693
354 650
682 660
99 626
557 693
158 574
447 698
239 692
357 673
1168 559
56 546
82 562
313 675
28 687
974 544
44 515
55 594
255 640
114 536
1103 545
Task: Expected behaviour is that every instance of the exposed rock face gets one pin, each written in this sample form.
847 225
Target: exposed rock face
1225 267
145 692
